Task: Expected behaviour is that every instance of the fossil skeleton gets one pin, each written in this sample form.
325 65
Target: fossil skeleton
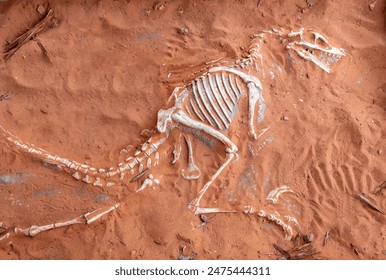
208 104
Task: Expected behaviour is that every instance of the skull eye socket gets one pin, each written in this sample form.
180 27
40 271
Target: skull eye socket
319 42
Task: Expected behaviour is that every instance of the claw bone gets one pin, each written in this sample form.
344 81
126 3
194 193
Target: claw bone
275 193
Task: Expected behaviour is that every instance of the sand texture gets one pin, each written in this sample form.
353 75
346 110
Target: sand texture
91 81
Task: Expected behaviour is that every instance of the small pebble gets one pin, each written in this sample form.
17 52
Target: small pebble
40 9
285 118
308 238
183 31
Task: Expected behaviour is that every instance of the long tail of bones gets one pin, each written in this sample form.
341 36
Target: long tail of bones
207 104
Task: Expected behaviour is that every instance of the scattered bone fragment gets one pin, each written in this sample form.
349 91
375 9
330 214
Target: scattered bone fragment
275 193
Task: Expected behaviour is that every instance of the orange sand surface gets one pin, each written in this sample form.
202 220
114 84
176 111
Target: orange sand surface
92 81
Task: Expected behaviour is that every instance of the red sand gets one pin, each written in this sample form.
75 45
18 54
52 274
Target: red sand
113 64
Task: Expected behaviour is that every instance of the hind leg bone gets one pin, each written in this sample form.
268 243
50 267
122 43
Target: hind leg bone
231 150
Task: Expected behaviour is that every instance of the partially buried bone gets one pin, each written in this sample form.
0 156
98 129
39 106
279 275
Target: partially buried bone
328 54
176 152
87 218
193 172
275 193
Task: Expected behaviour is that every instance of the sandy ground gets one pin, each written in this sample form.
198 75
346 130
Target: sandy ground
110 66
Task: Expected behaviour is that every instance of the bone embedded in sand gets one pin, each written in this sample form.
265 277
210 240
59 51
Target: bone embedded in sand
140 168
95 215
248 209
200 211
86 179
306 53
193 172
271 217
275 193
97 182
176 153
4 235
156 158
76 176
146 183
291 219
148 163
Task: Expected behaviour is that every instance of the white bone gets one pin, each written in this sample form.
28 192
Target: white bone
86 179
143 147
76 176
97 182
110 184
140 168
121 176
146 183
137 152
193 171
156 181
156 158
4 236
96 217
148 163
101 170
338 53
200 211
176 153
291 219
275 193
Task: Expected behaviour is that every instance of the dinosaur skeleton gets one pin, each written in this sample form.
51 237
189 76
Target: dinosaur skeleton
208 104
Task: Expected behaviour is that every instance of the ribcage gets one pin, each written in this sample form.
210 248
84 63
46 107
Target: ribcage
213 98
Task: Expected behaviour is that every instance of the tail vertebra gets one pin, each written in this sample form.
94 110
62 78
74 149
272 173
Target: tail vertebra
91 175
